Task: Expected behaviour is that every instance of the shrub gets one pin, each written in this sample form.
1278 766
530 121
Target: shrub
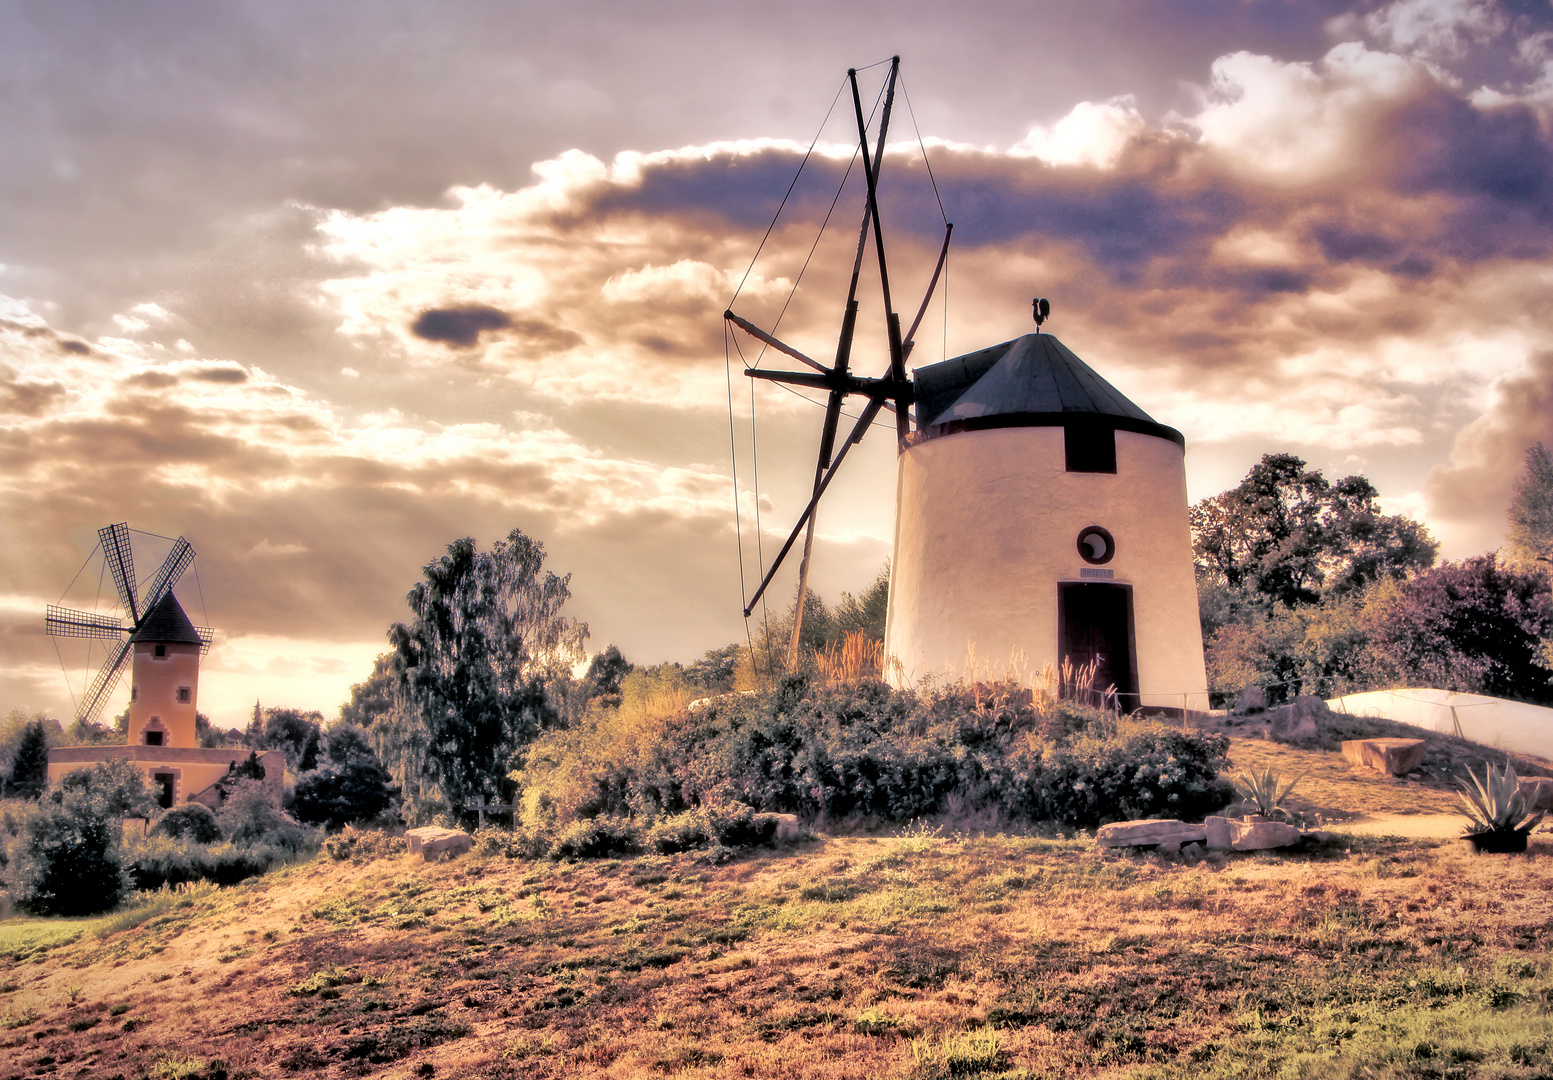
250 818
158 860
195 821
66 860
120 784
861 750
357 789
364 845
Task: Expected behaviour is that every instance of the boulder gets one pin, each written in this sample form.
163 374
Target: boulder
1299 721
1538 793
1149 833
1217 833
786 827
432 841
1262 835
1253 699
1395 757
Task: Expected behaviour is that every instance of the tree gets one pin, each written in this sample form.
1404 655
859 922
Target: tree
471 668
714 672
30 763
66 859
296 734
602 680
1473 626
352 787
1286 536
1531 513
118 784
865 613
373 699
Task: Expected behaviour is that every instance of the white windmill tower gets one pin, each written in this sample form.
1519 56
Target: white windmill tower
1039 513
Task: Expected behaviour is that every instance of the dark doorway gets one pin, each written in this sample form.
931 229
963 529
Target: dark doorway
153 738
164 782
1095 626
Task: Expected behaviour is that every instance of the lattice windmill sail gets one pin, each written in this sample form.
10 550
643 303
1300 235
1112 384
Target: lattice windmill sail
140 609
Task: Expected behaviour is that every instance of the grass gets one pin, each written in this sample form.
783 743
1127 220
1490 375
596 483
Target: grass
916 957
920 955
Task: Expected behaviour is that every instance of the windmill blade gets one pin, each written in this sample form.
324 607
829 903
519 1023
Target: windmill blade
67 622
853 439
207 636
173 566
102 686
121 564
943 256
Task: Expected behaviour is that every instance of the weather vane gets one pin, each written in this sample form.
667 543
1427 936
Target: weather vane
1042 311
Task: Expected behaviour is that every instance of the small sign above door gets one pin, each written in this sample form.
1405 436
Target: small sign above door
1093 572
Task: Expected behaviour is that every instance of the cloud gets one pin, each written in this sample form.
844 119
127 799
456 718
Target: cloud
459 327
1470 493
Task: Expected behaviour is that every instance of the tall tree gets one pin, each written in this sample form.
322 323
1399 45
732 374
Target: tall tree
374 698
864 613
30 763
472 666
1286 536
1531 513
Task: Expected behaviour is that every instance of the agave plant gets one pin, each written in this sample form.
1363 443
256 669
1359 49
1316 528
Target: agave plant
1262 790
1495 803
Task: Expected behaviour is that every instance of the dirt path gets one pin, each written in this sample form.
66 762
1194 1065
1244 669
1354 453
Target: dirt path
1413 826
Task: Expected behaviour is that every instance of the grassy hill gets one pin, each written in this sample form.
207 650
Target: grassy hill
914 955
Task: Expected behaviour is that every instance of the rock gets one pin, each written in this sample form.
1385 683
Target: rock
1148 833
1253 699
1299 721
1395 757
1217 833
1538 793
787 827
1262 835
1168 847
432 841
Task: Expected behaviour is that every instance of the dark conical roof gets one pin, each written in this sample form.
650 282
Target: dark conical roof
167 624
1032 381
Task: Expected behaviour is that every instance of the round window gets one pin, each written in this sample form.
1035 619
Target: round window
1095 545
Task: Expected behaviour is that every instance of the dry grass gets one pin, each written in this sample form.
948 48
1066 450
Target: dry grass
909 956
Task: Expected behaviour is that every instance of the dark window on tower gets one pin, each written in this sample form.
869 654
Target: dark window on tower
153 738
134 693
1089 448
183 695
160 651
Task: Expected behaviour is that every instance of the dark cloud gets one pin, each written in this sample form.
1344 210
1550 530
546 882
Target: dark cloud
24 397
459 327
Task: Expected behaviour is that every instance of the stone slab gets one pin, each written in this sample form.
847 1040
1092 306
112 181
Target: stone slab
1394 757
1262 835
1149 833
431 841
1217 833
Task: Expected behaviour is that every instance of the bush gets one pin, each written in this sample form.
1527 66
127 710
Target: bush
357 789
65 859
120 784
857 751
159 860
364 845
250 819
195 821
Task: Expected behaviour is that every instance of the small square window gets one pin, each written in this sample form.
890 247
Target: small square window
153 738
160 651
1089 448
183 695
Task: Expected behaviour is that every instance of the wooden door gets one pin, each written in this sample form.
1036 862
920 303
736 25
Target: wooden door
1096 627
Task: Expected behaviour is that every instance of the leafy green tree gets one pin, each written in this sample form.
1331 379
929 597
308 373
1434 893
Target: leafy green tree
865 613
296 734
193 820
714 672
119 784
29 773
374 698
66 860
1473 626
1531 513
1287 536
472 668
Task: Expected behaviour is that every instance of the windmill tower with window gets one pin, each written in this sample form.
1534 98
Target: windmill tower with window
1039 512
154 639
151 637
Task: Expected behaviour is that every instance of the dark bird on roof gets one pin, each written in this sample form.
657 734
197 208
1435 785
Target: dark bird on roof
1041 309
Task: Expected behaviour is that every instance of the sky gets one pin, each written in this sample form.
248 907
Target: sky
325 286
